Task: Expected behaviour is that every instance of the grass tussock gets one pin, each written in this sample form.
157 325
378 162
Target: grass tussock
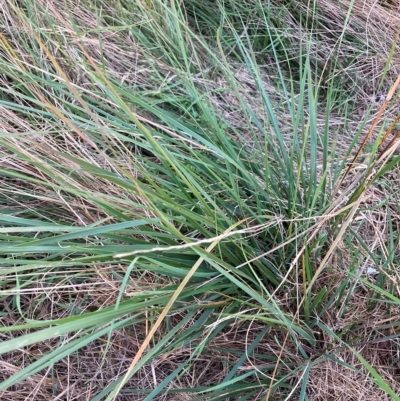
199 200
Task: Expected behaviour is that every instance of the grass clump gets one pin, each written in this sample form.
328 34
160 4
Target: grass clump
189 208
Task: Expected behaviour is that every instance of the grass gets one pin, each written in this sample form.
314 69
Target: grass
199 200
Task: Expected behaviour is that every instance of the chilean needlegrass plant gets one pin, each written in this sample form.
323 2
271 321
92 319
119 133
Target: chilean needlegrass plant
139 223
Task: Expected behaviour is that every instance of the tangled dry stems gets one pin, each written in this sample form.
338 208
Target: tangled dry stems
85 372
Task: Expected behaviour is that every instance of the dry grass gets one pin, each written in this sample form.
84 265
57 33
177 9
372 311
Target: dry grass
84 373
332 379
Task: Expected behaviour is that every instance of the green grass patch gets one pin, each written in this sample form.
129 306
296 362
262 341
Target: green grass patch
182 213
